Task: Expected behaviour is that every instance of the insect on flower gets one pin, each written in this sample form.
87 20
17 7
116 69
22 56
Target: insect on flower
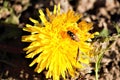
73 36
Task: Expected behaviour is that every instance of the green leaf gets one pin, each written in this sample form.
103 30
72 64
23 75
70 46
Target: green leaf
12 19
104 33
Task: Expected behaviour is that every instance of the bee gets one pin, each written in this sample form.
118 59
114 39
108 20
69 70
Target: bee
73 36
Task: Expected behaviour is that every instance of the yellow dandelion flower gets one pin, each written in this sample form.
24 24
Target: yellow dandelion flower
56 41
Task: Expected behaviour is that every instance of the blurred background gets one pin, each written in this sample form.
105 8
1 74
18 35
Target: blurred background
14 14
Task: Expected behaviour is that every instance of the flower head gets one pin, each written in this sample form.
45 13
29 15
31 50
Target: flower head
60 43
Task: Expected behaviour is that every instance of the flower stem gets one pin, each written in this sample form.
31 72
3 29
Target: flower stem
96 71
